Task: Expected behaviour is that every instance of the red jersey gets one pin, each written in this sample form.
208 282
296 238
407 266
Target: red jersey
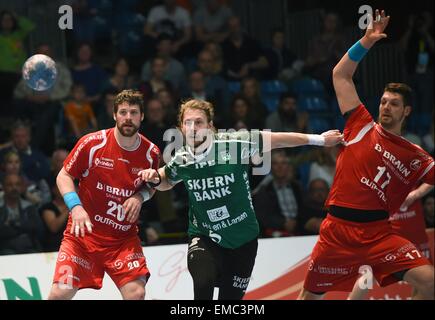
410 223
107 176
376 169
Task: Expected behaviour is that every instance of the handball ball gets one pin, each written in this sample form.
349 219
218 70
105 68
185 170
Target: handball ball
39 72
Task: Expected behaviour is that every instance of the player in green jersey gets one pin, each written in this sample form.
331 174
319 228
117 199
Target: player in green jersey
223 228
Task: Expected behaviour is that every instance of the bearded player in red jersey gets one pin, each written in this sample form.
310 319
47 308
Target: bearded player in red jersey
376 169
101 235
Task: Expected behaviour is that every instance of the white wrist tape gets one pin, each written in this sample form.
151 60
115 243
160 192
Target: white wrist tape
316 139
145 194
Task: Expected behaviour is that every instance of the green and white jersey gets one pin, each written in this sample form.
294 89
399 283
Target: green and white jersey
217 181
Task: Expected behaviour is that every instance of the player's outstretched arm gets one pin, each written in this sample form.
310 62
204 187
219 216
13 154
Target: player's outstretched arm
416 194
275 140
158 180
343 72
79 216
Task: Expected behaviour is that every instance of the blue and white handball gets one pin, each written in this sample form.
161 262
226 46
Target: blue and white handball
39 72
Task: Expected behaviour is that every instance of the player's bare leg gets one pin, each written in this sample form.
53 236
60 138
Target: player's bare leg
359 291
61 292
307 295
422 280
134 290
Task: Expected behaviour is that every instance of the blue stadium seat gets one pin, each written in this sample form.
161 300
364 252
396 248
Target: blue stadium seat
103 7
308 87
273 87
234 86
131 43
271 103
339 122
304 173
319 124
102 27
314 104
127 21
419 123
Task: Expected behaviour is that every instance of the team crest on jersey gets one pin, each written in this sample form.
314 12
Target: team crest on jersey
415 164
104 163
226 156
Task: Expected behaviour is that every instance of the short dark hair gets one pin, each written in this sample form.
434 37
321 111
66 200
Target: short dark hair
400 88
132 97
286 95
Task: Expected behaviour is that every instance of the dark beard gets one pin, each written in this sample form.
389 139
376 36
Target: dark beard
126 133
289 116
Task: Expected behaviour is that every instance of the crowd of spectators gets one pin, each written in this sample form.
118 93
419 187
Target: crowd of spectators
173 52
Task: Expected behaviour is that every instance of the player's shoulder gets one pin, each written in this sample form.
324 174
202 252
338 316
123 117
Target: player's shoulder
94 138
423 154
405 144
149 145
359 113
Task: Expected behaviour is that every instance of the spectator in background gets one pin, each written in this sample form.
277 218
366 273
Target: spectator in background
86 72
56 164
215 85
323 167
325 50
242 115
105 115
36 192
79 113
277 202
171 19
196 87
169 103
211 22
428 209
156 80
154 126
313 211
250 90
287 118
13 32
243 55
419 46
54 215
218 57
121 78
34 163
428 139
174 71
84 25
20 225
283 64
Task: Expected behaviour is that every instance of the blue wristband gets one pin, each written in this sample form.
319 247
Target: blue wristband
71 200
357 52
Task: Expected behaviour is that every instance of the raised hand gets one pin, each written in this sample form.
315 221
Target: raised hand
376 28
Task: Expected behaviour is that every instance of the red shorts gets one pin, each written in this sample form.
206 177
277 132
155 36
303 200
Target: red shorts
344 247
81 263
425 250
